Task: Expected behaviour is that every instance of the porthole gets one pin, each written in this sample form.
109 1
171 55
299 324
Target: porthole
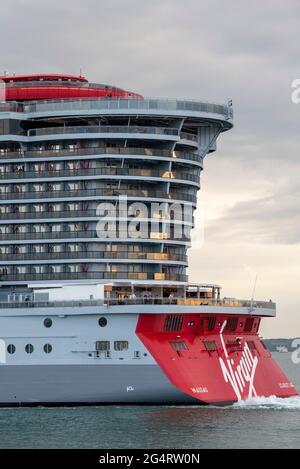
102 322
29 348
47 348
47 322
11 348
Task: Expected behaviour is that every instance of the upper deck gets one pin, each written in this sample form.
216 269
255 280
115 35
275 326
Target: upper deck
124 298
120 106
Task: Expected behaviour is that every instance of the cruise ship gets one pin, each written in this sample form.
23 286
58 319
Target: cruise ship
98 188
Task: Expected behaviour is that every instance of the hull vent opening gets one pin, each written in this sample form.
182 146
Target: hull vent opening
210 345
231 324
249 325
210 323
251 345
173 323
179 345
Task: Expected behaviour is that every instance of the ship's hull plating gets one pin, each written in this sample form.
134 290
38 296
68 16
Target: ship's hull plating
87 385
191 359
214 359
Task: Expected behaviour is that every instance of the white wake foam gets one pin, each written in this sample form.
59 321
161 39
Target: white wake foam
272 402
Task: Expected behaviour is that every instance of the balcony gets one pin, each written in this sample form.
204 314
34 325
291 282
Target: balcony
66 194
91 234
122 151
55 276
80 214
107 255
104 171
104 129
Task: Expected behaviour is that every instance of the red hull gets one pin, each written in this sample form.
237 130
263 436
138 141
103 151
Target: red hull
216 359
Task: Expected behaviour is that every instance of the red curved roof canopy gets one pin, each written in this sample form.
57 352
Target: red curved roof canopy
42 77
55 86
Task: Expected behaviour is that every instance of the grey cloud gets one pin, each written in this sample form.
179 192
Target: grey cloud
274 219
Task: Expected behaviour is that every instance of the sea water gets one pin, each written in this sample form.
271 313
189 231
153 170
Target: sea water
256 423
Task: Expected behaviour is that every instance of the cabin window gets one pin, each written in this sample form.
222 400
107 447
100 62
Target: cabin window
102 345
121 345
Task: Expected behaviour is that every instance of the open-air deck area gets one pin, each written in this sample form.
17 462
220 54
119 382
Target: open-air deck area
131 295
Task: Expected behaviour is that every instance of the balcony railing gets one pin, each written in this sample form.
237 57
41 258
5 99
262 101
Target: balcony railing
34 215
11 107
131 151
125 255
107 129
224 302
104 171
55 276
92 234
148 104
66 194
188 136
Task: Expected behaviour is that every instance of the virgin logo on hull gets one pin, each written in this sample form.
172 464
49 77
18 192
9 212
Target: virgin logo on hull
240 375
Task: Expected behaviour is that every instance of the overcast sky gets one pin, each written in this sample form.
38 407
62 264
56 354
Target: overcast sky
208 50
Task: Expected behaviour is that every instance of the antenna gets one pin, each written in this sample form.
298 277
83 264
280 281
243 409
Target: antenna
80 72
253 291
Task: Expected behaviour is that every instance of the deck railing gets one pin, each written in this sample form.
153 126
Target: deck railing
103 171
148 104
122 151
227 302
